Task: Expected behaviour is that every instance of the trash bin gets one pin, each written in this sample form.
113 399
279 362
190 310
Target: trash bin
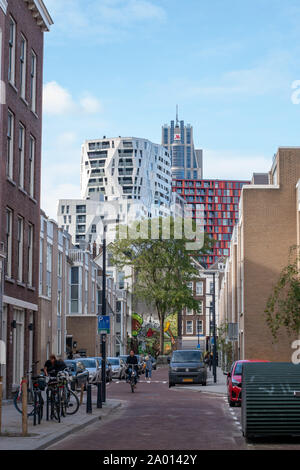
271 400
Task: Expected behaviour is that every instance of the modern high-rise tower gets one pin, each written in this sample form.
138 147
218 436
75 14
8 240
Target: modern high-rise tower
186 160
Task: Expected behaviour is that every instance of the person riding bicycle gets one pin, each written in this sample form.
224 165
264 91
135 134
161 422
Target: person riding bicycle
53 366
132 363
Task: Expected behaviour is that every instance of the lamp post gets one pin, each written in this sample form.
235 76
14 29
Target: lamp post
103 335
214 335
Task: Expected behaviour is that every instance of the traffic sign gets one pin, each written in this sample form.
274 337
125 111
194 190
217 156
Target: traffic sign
104 324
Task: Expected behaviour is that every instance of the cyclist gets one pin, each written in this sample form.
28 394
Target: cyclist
131 362
53 366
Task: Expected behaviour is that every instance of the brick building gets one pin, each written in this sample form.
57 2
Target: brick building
22 27
268 226
215 205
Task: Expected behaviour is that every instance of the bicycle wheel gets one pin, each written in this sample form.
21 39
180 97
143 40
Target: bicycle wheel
18 402
55 405
63 401
40 407
72 403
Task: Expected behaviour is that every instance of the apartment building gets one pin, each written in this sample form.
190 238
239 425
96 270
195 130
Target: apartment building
268 226
54 289
214 204
22 28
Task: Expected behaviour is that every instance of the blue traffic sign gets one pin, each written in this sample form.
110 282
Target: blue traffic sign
104 323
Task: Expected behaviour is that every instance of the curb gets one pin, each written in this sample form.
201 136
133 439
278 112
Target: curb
76 428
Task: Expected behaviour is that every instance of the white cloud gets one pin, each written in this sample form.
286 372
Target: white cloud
103 20
90 104
59 101
228 164
56 99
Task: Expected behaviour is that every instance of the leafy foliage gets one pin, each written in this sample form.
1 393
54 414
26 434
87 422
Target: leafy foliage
283 306
162 268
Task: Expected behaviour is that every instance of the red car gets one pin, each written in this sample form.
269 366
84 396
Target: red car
234 381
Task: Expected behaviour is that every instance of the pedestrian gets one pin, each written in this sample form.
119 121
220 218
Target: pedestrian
53 366
148 367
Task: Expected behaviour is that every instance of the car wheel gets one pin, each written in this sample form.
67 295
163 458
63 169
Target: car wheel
204 384
171 384
231 403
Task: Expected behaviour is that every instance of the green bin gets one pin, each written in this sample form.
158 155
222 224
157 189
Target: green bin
271 400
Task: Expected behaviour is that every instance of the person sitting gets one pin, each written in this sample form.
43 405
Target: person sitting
132 363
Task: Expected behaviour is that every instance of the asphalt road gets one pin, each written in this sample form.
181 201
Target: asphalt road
158 418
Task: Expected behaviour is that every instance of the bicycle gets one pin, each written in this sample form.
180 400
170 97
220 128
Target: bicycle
133 378
68 399
35 401
53 399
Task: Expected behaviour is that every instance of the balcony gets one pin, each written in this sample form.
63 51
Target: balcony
76 256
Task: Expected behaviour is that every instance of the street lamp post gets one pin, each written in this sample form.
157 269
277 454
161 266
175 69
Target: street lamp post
103 335
213 294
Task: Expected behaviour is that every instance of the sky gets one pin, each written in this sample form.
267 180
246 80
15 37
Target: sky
119 67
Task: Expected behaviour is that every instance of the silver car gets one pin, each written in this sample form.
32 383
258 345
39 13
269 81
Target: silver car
118 367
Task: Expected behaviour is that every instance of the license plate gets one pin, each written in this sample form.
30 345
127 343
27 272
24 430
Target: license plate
188 380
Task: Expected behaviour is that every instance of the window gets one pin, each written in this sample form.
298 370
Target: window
49 271
9 219
76 283
33 82
21 155
200 309
189 327
121 280
31 165
20 242
199 288
30 254
41 267
94 229
12 51
10 145
23 53
189 311
199 326
59 264
81 209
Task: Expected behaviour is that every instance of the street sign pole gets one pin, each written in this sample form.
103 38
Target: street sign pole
214 331
103 366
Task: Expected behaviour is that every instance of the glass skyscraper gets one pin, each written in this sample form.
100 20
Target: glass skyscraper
186 160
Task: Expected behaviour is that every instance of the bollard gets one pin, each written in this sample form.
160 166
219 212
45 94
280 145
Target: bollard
89 399
24 408
99 395
1 391
34 407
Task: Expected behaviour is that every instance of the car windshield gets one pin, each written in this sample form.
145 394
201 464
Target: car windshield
89 363
113 361
238 369
187 356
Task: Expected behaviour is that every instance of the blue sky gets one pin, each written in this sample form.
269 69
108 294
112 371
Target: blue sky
119 67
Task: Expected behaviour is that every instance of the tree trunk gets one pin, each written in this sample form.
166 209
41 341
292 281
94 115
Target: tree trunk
161 335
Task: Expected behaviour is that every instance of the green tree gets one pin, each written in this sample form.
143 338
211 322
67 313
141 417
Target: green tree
283 306
162 268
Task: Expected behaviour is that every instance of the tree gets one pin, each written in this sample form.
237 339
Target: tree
283 306
162 268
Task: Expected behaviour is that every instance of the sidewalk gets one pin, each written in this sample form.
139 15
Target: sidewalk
211 387
48 432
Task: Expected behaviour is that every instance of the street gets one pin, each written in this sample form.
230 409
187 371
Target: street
156 417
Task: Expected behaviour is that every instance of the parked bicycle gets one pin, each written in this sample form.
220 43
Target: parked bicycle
35 401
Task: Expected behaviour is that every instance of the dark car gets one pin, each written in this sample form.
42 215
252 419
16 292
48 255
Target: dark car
80 375
108 368
187 367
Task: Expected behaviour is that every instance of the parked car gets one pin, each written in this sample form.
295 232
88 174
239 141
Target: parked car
234 381
118 367
80 375
91 364
108 368
187 367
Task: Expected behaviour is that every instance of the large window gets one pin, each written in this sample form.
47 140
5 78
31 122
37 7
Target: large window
10 145
41 266
30 253
21 155
9 220
199 288
20 246
189 327
33 82
31 165
12 51
49 270
76 284
199 326
23 53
